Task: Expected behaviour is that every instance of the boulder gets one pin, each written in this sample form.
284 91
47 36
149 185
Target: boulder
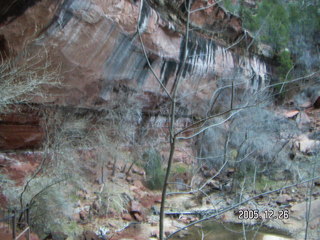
96 206
57 236
214 185
284 199
138 217
83 215
306 145
138 170
127 217
154 233
89 235
291 114
135 207
129 179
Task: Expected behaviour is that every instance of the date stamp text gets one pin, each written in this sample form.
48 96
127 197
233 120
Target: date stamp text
269 214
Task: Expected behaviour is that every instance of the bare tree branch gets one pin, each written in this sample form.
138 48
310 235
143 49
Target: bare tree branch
289 81
210 126
206 7
147 59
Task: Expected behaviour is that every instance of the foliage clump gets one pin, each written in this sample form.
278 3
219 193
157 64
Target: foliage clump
285 64
290 28
293 25
154 171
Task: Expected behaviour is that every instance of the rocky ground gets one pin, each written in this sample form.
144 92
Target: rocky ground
141 223
141 219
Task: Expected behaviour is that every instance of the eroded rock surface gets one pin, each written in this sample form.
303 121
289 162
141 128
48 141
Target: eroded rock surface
102 61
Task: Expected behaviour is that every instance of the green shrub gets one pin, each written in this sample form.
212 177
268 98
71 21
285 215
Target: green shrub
284 65
285 62
179 168
283 24
152 165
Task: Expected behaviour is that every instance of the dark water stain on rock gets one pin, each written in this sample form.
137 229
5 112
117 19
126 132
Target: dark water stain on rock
10 10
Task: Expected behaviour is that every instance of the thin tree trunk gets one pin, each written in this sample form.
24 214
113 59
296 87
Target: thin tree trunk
124 168
309 202
173 135
102 174
164 189
130 167
114 167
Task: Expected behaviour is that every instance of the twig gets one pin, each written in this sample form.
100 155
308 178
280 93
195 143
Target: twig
289 81
210 126
32 200
147 59
211 117
206 7
286 78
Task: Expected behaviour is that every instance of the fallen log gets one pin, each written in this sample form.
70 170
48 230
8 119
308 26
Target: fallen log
200 213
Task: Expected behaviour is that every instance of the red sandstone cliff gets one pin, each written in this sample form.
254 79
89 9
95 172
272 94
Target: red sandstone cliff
101 60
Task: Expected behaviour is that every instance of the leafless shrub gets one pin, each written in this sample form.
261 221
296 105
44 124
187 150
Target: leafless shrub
24 77
263 135
258 143
113 199
49 202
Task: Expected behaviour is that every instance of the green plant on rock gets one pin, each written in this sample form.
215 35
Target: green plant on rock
276 27
231 6
154 171
268 21
285 64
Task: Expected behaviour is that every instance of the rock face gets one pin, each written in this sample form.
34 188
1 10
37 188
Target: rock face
21 130
102 60
19 165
